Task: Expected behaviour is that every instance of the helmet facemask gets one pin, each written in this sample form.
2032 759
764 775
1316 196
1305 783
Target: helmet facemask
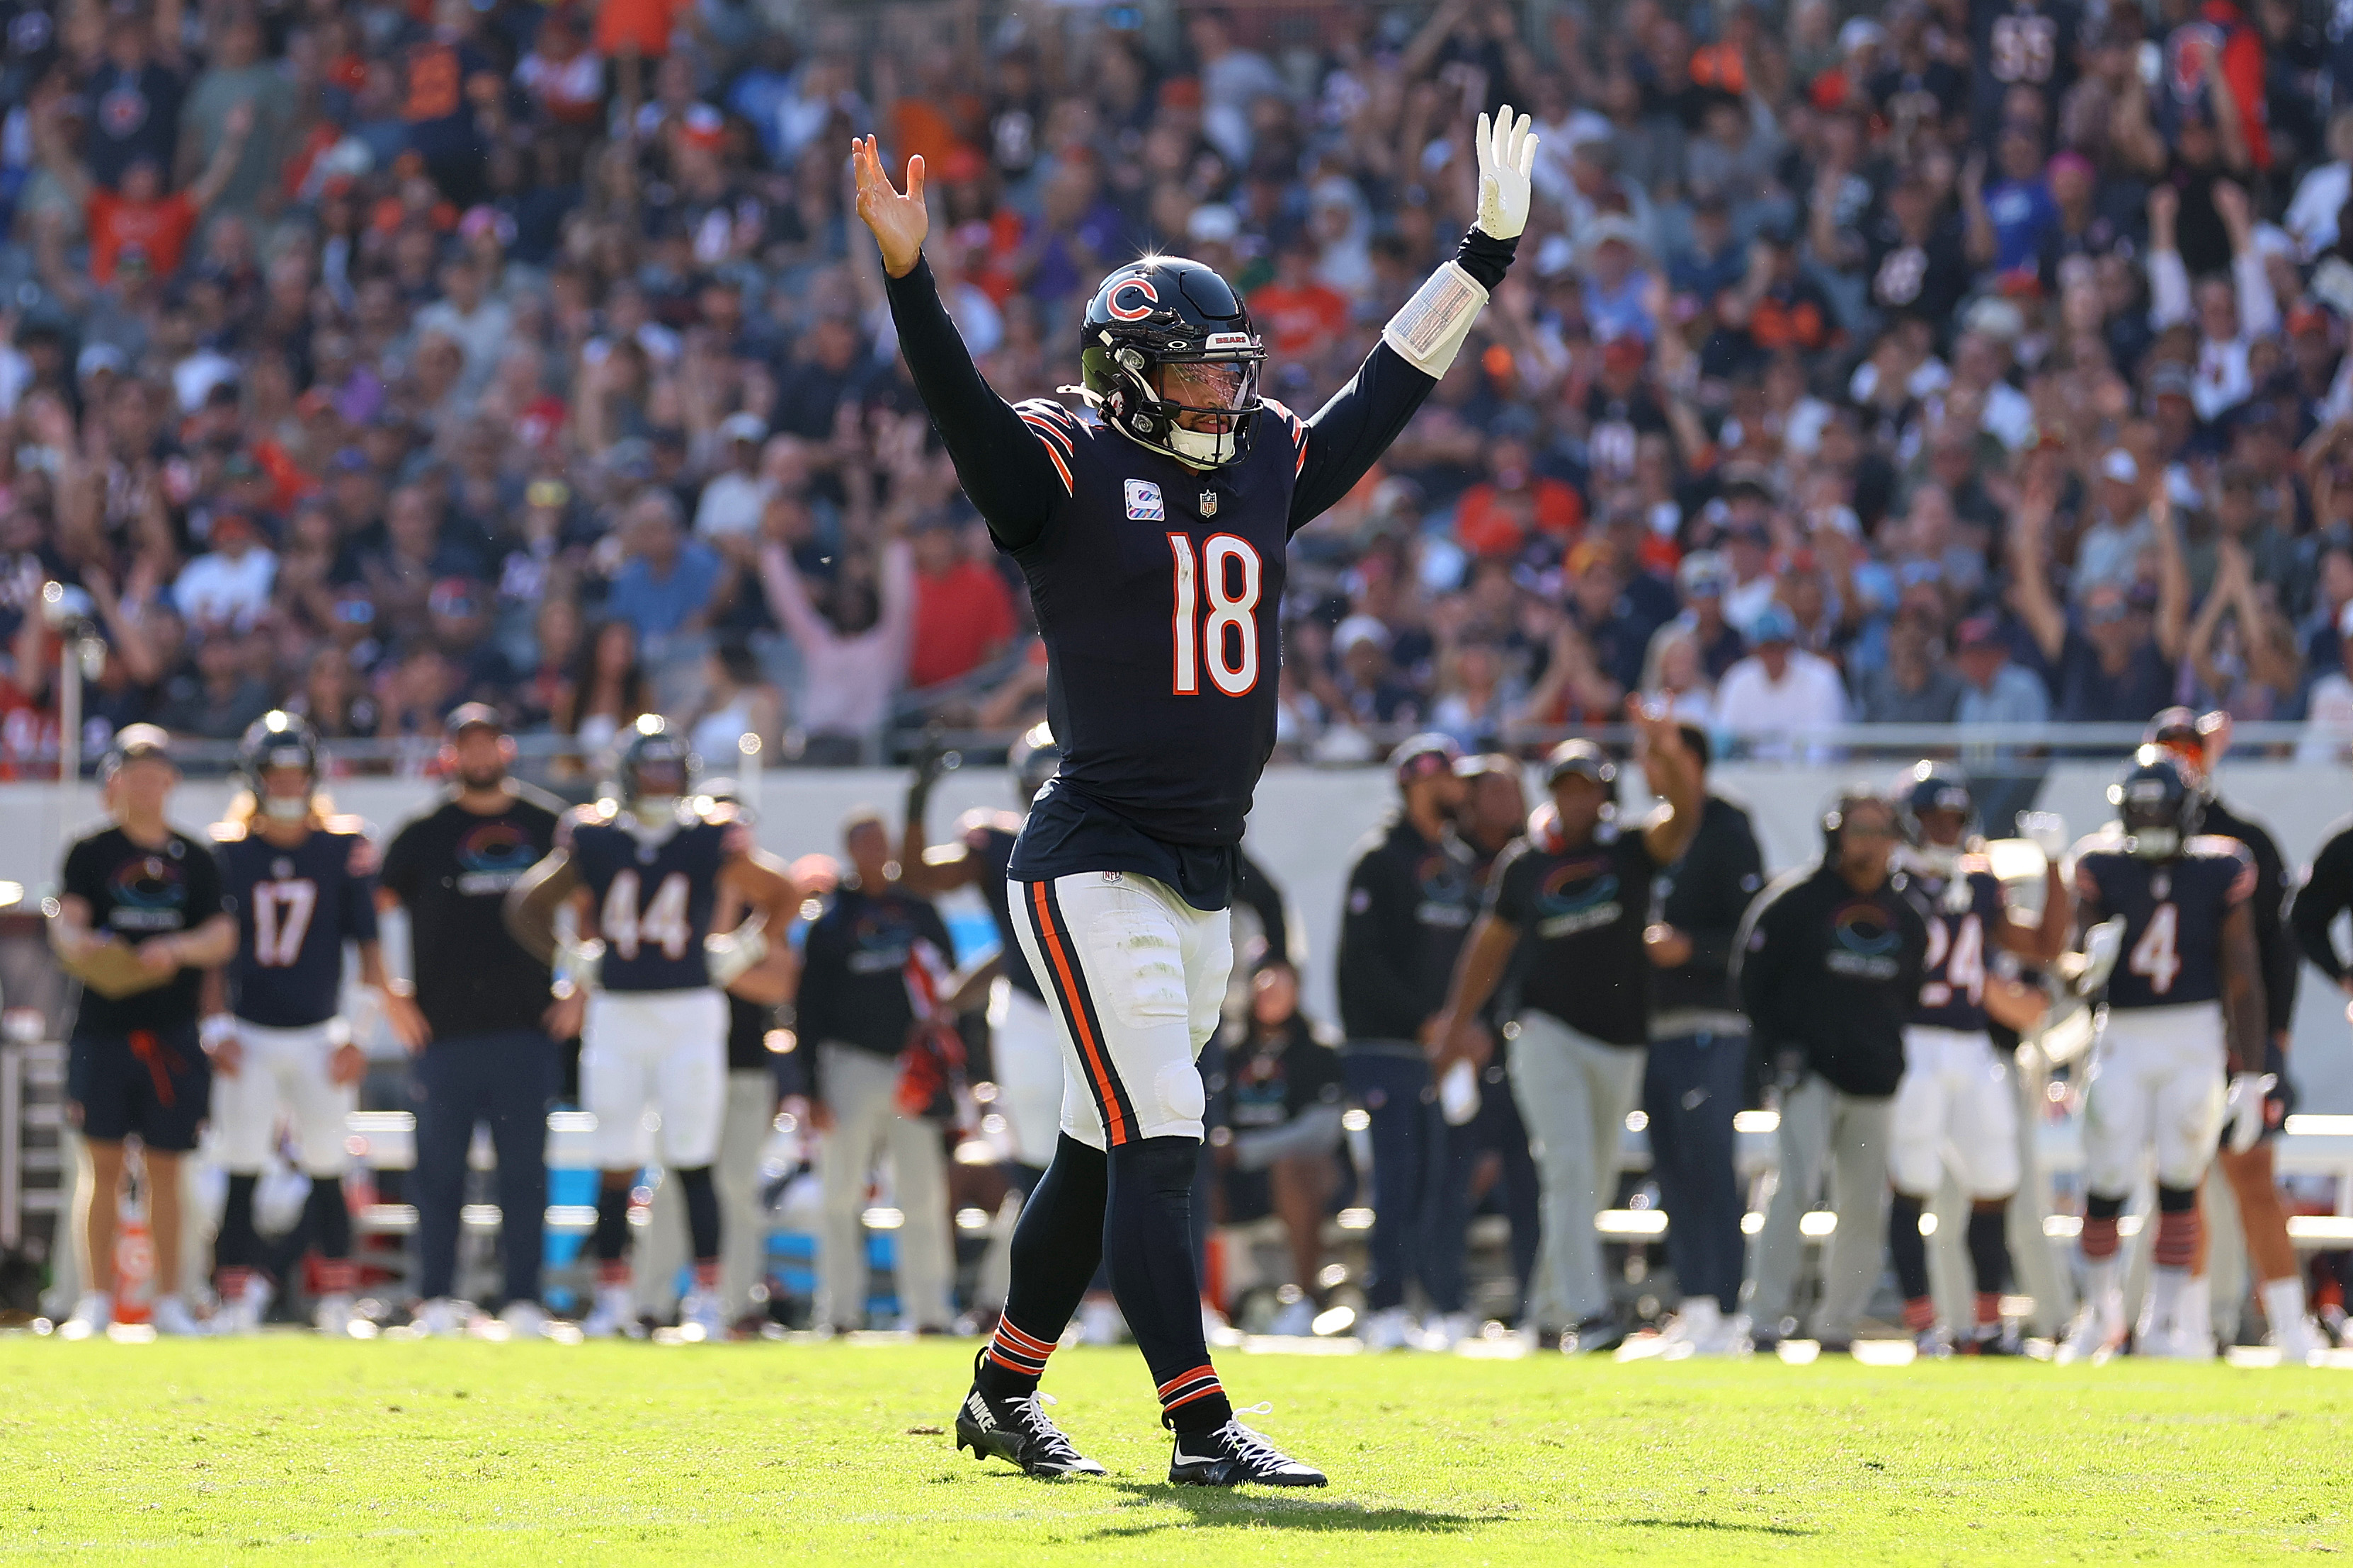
1201 410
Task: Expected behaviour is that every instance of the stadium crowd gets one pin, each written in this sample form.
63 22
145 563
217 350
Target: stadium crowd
1978 362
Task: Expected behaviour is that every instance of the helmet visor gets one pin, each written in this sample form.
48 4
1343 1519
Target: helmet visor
1210 386
660 775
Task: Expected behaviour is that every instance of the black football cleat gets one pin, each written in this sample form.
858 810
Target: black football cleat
1234 1456
1017 1431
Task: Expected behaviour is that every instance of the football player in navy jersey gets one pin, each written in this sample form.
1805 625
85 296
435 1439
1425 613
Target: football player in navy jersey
643 872
1152 537
301 884
2183 1027
1955 1103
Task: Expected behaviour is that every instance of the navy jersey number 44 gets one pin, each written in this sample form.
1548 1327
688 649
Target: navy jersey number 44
2173 912
651 893
295 908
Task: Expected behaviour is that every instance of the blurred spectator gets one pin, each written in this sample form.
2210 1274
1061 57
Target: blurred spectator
666 580
963 612
1780 687
1993 690
228 587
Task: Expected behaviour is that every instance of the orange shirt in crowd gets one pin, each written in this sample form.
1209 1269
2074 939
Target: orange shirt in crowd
1488 522
160 228
962 617
646 24
1298 320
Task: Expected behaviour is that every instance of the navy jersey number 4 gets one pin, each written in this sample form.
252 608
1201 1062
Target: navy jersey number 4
296 906
652 895
2173 912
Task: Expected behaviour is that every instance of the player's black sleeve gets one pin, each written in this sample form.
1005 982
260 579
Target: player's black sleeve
1256 892
399 869
816 1004
83 878
1762 962
1004 471
359 906
2272 939
2328 892
1347 435
207 886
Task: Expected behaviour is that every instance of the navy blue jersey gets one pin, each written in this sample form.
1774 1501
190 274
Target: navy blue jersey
1580 913
651 895
295 906
1158 592
989 838
2173 912
1962 919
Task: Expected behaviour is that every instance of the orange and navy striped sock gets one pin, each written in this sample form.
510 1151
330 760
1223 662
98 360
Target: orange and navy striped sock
1195 1401
1919 1314
1014 1361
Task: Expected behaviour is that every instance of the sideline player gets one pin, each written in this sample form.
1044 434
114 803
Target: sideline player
1154 543
2185 1008
643 873
1027 1058
301 883
139 917
2252 1120
1569 904
1956 1105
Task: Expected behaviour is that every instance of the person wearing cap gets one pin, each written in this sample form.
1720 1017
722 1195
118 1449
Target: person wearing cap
1568 904
478 1000
228 585
1695 1080
1410 899
1780 687
2245 1161
1827 965
732 500
1701 580
139 919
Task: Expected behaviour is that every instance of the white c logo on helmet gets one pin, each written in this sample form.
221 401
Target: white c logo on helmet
1123 313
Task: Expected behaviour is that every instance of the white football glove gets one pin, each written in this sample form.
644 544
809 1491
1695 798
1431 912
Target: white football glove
2243 1109
2047 830
1507 157
727 954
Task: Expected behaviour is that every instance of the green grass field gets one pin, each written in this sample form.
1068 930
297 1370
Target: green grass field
296 1449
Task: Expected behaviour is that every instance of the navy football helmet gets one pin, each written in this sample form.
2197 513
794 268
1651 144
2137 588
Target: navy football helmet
2157 804
1162 337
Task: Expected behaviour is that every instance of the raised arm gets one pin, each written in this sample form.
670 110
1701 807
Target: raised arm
788 598
1006 470
2031 578
1348 435
2172 579
1674 772
206 189
2327 893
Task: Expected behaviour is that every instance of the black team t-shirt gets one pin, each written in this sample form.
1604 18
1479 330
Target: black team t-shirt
452 868
135 892
1581 914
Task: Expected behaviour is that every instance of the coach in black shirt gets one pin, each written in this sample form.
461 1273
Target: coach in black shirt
1411 900
480 1002
1699 1059
1829 970
139 919
1571 899
854 1016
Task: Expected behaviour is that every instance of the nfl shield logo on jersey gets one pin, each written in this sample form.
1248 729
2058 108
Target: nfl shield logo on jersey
1208 503
1144 501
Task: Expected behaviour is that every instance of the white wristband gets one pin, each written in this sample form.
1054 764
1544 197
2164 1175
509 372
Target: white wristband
1429 331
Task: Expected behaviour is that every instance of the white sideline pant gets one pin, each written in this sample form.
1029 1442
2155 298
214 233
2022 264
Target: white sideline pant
859 1090
2156 1081
1574 1094
1824 1127
1956 1111
655 1050
662 1252
283 1068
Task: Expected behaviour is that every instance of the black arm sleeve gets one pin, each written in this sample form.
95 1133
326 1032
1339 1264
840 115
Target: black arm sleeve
1256 890
1003 468
2327 893
1347 435
813 1006
1761 958
2271 939
1736 871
